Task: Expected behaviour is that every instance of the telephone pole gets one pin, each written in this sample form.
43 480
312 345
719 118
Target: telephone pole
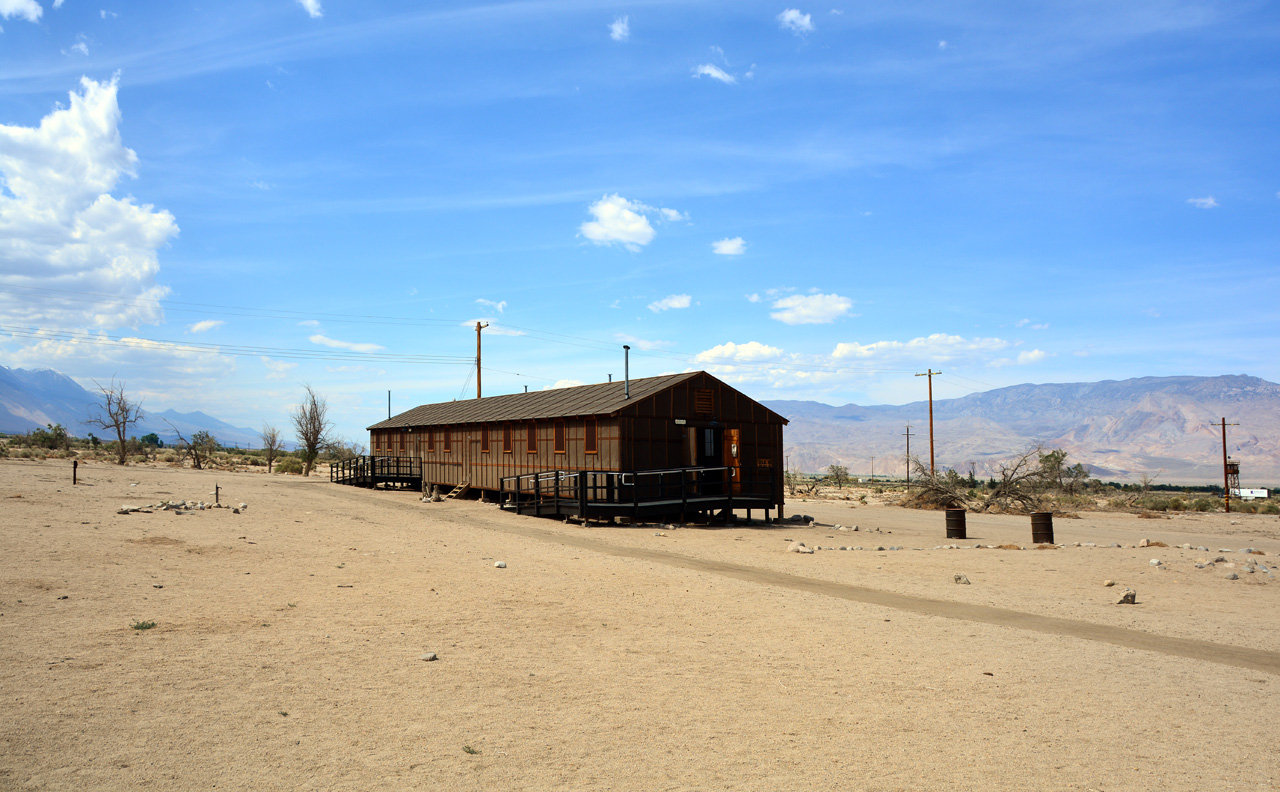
930 373
1226 468
873 470
907 434
479 326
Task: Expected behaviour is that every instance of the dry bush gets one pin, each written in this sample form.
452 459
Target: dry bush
1047 547
1008 547
1156 544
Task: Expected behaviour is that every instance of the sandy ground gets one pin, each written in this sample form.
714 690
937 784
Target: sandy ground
288 642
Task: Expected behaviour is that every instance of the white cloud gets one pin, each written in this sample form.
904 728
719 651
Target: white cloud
671 301
942 45
714 72
730 247
618 220
29 10
62 230
643 343
1208 202
259 185
497 306
811 309
564 383
673 215
312 7
81 47
938 348
620 29
750 352
754 298
350 346
1031 356
798 23
277 369
308 323
58 3
133 358
205 326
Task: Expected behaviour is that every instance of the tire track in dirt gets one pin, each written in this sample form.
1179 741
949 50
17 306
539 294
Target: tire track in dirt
1224 654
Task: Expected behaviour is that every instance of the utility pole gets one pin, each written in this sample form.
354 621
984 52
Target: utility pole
930 373
1226 475
873 470
907 434
479 326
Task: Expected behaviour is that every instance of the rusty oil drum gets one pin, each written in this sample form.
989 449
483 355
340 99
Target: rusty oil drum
955 524
1042 527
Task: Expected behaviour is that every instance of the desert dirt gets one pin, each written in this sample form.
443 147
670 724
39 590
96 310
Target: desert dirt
288 643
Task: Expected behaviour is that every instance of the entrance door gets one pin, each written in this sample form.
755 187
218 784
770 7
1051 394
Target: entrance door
710 453
733 459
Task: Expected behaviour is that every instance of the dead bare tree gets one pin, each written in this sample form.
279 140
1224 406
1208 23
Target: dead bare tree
117 413
312 425
1019 484
938 490
271 444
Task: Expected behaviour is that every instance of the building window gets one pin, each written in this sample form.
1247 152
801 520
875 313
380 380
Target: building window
560 443
484 439
704 402
531 436
589 437
506 438
448 439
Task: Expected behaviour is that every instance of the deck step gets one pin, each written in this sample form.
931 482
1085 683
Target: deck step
458 490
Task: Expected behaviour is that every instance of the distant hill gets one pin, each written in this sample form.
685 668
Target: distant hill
1163 426
31 399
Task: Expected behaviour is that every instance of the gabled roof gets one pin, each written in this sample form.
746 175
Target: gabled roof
604 398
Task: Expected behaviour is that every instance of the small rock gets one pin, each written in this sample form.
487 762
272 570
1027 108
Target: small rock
842 547
1155 562
1090 544
880 549
235 511
962 579
1108 583
156 585
244 506
500 564
855 527
1144 543
1129 597
427 656
1202 549
1233 576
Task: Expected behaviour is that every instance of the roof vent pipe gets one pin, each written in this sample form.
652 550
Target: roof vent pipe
626 371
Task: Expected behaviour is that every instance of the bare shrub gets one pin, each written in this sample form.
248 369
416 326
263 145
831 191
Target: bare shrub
117 412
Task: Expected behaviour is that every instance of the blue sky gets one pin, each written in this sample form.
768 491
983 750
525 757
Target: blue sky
217 203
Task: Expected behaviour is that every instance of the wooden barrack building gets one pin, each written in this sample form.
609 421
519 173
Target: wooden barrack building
680 444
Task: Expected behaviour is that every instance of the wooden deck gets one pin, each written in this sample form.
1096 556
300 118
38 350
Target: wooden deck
367 471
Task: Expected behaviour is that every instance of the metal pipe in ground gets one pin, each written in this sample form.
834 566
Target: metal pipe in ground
1042 527
955 524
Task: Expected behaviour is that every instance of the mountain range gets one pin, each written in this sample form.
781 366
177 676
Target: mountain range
33 398
1164 427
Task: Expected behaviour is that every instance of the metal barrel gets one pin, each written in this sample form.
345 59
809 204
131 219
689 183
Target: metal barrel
1042 527
955 524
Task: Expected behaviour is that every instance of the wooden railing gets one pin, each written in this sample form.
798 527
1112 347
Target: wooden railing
688 488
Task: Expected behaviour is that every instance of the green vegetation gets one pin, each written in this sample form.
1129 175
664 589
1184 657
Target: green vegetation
143 625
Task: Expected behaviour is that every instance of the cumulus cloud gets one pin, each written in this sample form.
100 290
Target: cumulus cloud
349 346
730 247
1208 202
938 347
810 309
714 72
620 29
671 301
29 10
750 352
620 221
497 306
277 369
205 326
564 383
95 350
62 230
753 298
798 23
1025 358
312 8
673 215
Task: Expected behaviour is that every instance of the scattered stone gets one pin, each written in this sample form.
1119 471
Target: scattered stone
1202 549
1108 583
1091 544
235 511
1155 562
855 527
1233 576
1144 543
798 547
1249 551
1224 549
244 506
156 585
880 549
1129 597
427 656
962 579
842 547
500 564
1219 560
1115 544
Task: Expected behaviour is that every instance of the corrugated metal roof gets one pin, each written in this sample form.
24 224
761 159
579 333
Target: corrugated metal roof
603 398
